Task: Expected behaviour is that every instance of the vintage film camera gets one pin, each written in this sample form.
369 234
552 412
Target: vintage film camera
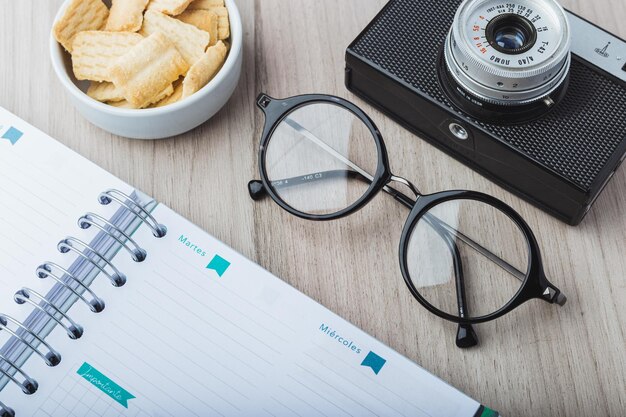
526 93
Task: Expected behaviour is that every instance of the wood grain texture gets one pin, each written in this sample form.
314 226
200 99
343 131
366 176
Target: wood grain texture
538 361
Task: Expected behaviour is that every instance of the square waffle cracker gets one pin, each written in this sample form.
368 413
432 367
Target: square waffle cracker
190 41
95 51
204 20
126 15
79 16
147 69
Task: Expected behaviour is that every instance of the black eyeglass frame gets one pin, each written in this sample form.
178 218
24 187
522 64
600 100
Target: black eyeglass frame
535 284
277 110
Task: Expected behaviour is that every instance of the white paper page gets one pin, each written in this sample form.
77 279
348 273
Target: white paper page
44 189
178 338
186 342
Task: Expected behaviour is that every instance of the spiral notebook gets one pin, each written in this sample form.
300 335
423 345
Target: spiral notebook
113 305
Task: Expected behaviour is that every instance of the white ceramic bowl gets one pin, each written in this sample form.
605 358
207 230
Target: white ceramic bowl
159 122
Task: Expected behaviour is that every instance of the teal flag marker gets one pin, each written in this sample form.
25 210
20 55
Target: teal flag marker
104 384
12 135
219 265
374 362
487 412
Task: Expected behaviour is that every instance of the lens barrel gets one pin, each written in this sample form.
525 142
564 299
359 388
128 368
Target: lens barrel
511 34
508 55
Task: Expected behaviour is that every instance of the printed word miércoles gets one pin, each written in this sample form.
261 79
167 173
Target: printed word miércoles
347 343
183 239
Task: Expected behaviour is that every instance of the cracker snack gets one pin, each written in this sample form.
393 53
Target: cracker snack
204 20
126 15
176 95
223 24
104 92
190 41
205 4
162 96
121 104
79 16
170 7
145 53
94 51
217 7
148 69
205 69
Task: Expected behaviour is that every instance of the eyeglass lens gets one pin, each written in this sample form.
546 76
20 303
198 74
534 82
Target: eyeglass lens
314 157
485 286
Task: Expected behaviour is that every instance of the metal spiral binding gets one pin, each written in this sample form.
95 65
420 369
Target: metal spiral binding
99 222
52 358
46 270
158 230
6 411
25 295
59 274
66 245
29 386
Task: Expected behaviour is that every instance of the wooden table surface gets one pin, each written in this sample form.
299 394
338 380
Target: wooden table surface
540 360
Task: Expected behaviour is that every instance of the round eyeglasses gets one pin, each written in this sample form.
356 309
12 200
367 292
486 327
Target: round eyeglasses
465 256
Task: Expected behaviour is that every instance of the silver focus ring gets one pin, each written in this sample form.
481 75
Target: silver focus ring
514 98
465 55
479 50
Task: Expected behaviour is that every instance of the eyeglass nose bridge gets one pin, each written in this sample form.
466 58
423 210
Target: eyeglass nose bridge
401 180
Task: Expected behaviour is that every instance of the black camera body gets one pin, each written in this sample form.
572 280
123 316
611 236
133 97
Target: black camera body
559 158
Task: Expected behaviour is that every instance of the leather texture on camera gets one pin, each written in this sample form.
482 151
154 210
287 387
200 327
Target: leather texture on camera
576 139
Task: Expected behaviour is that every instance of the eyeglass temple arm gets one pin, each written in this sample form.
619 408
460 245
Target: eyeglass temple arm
254 187
466 335
257 190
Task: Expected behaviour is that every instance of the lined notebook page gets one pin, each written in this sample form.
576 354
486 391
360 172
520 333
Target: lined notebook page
197 330
44 189
184 341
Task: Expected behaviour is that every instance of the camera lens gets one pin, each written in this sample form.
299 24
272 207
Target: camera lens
510 38
509 54
511 34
